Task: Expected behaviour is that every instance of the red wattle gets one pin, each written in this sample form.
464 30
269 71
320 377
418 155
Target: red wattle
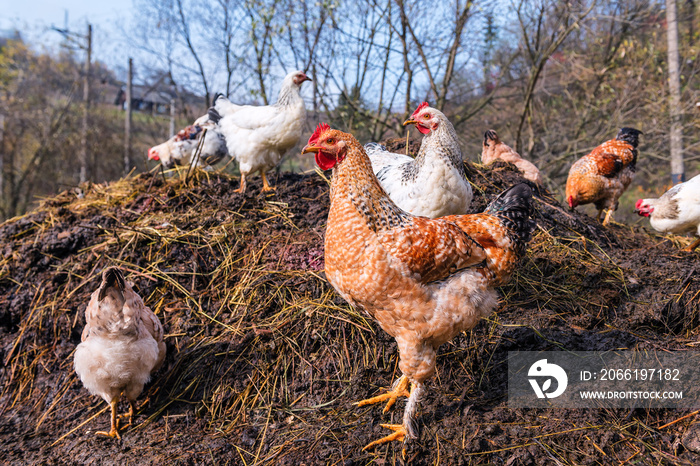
325 161
423 129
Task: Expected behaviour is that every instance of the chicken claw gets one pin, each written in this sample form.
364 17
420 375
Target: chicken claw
241 189
266 184
400 388
398 435
114 431
130 414
608 216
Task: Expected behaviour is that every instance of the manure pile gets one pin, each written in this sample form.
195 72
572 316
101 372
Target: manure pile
265 359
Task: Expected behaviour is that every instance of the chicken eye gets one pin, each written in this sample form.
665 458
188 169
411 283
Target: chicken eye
330 141
426 116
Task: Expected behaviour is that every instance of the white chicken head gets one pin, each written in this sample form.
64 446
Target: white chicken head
160 153
643 207
177 149
297 77
425 118
328 145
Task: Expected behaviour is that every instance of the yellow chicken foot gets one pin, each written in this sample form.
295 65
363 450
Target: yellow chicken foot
693 245
608 216
130 414
241 189
407 429
114 431
399 389
399 435
266 185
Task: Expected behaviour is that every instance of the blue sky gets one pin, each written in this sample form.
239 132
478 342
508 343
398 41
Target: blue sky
34 18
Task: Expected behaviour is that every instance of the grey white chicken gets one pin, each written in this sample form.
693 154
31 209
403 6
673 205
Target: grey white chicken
433 184
677 211
181 148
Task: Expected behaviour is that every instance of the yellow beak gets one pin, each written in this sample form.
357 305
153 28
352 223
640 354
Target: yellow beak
310 148
409 122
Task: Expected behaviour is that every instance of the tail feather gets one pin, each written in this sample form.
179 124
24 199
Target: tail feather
214 115
374 147
629 135
112 279
514 208
491 135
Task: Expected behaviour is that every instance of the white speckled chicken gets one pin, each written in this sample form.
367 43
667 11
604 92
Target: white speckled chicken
181 148
423 280
677 211
258 137
603 175
122 345
494 149
434 183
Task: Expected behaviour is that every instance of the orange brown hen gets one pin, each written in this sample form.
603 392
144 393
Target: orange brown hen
423 280
603 175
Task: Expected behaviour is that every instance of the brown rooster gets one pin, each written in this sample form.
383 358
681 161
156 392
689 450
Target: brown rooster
493 149
424 280
603 175
122 345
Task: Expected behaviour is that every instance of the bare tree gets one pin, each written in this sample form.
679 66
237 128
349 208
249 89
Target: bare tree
674 85
539 40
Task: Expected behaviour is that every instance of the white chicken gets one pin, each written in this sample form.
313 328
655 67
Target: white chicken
122 345
258 136
433 184
181 148
677 211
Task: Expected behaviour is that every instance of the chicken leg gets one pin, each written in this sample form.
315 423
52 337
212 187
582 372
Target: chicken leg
407 429
241 189
398 389
693 245
608 216
130 414
266 185
114 431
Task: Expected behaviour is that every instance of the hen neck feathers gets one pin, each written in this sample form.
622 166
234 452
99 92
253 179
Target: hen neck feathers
289 95
441 144
354 181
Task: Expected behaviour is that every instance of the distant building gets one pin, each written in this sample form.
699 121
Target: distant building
156 98
147 99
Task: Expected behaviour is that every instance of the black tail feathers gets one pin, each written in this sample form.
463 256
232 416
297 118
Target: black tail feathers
490 135
214 115
514 207
112 277
630 135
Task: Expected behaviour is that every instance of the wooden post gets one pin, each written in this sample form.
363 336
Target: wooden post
86 113
674 102
172 117
127 120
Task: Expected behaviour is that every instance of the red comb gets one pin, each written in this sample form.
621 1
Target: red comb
320 129
420 107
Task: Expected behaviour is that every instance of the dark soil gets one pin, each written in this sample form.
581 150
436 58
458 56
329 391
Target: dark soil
265 360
